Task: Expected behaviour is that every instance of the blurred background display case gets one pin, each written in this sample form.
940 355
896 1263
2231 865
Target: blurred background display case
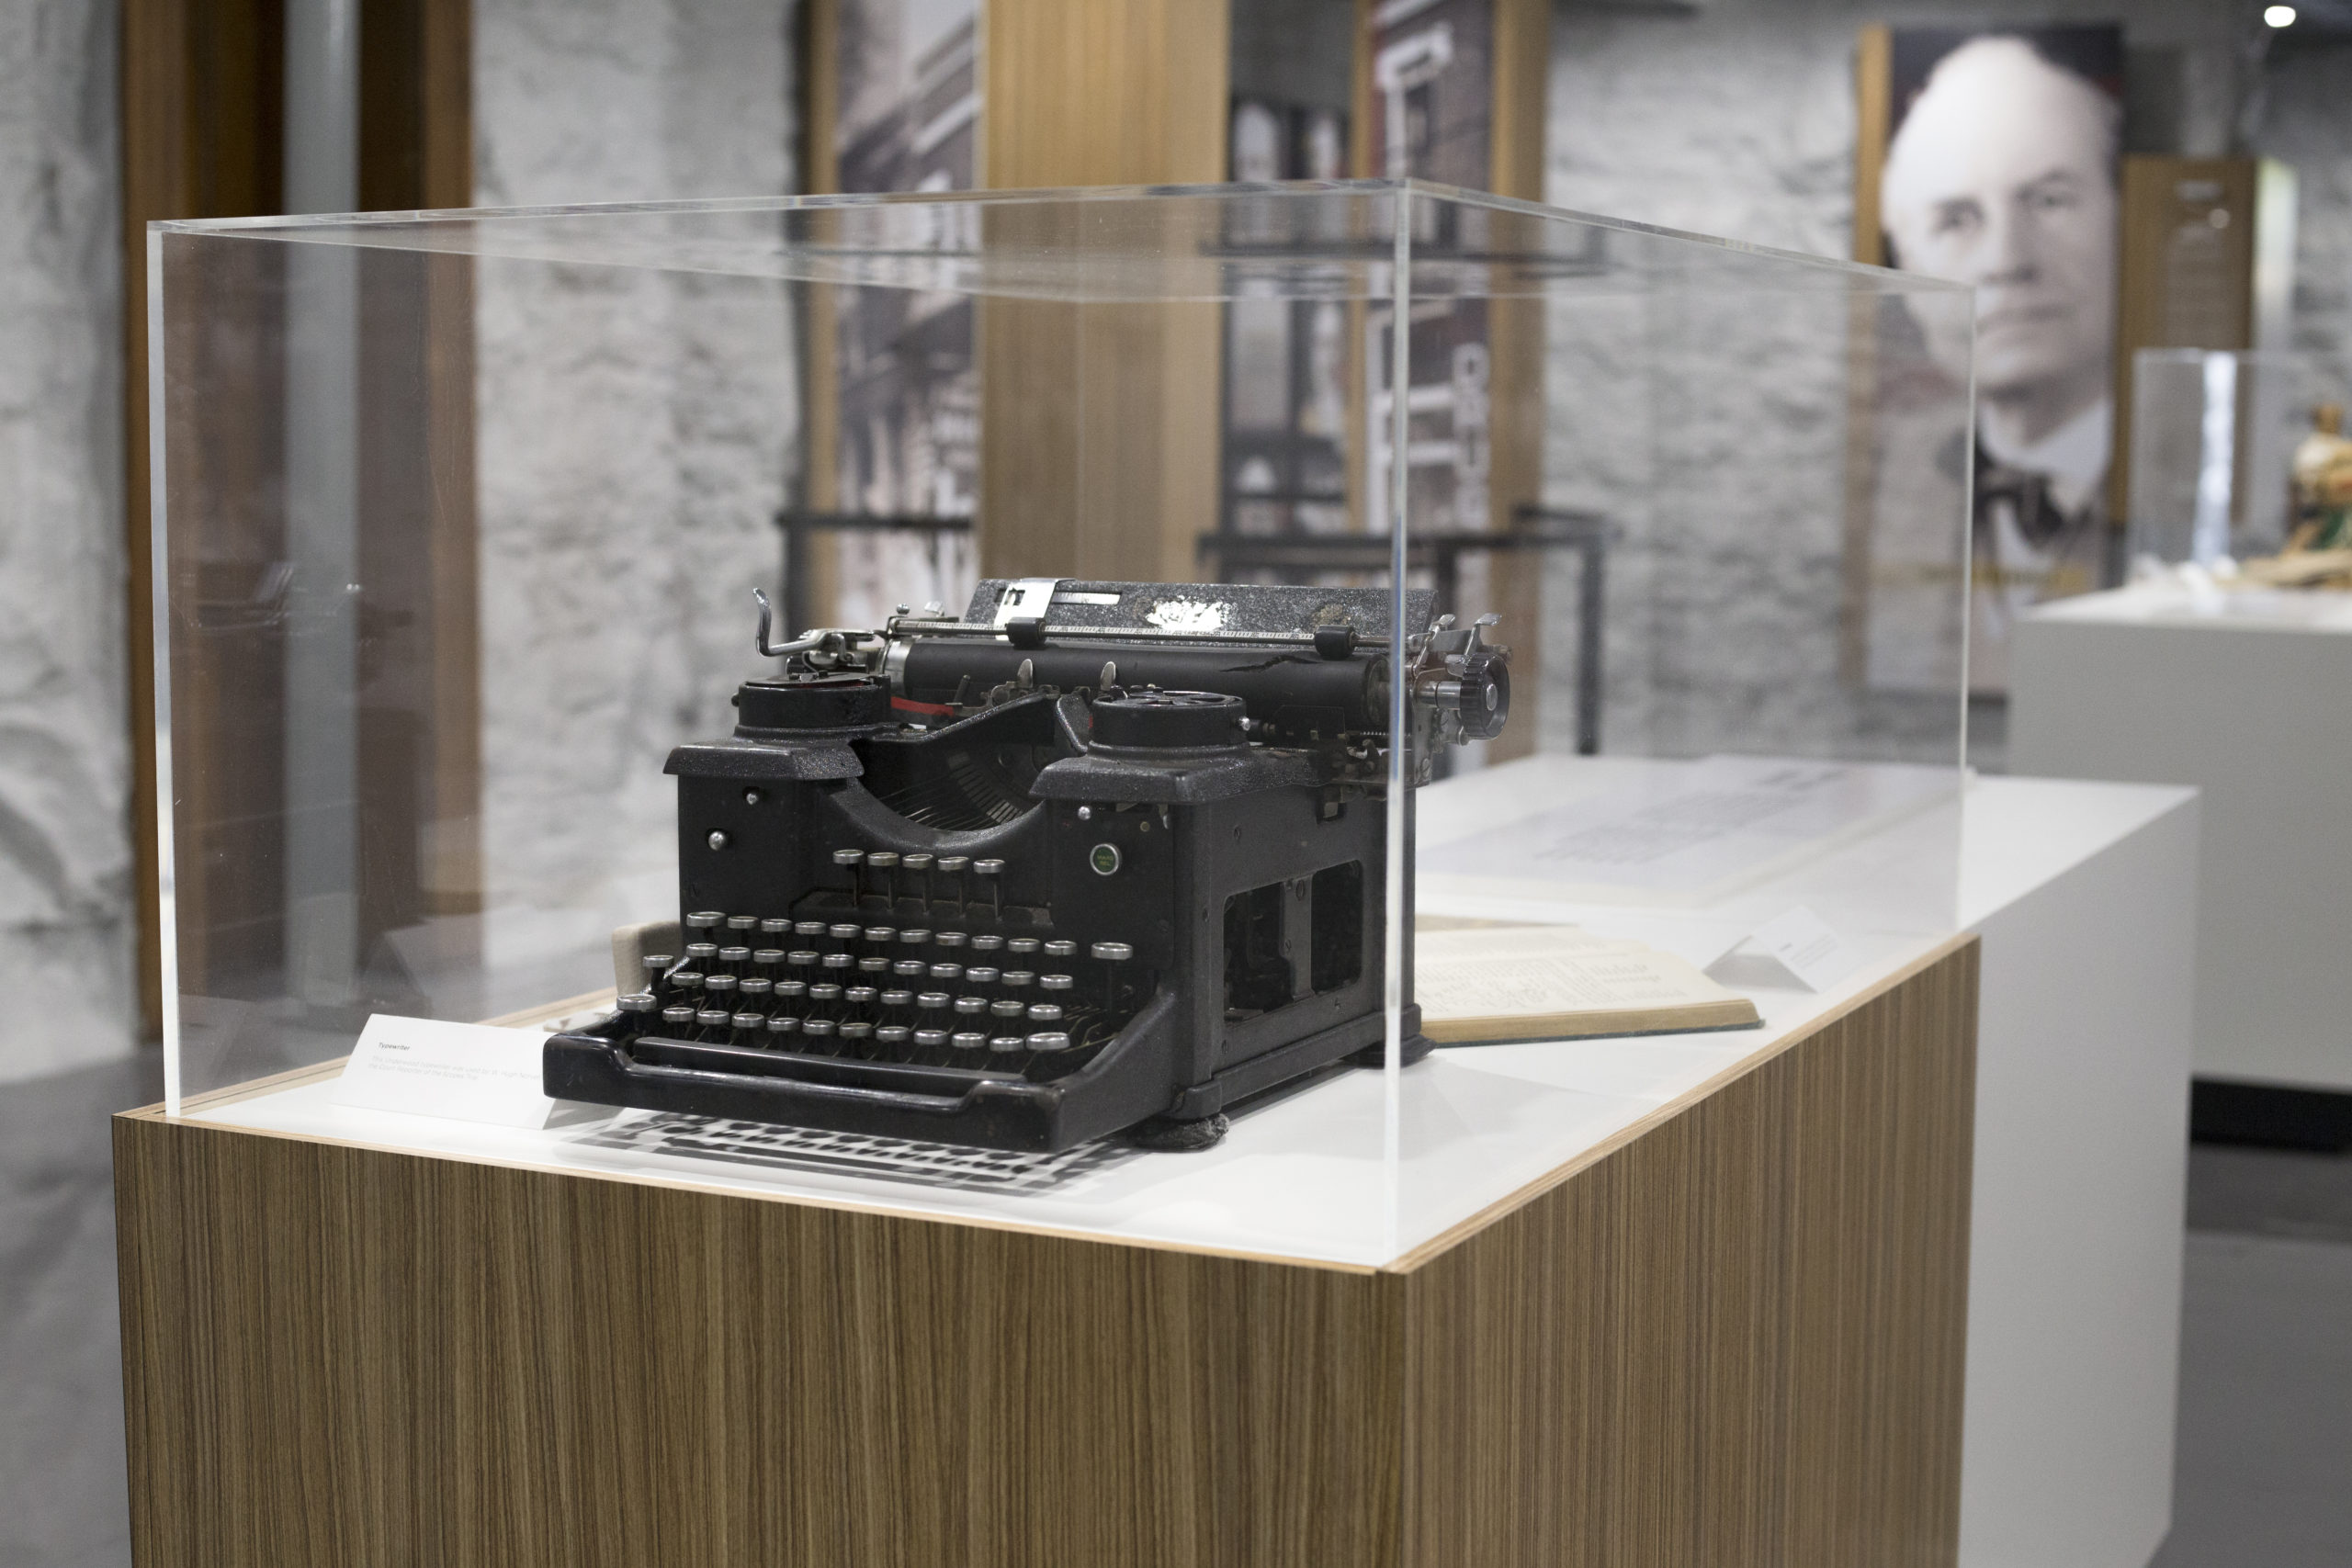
460 517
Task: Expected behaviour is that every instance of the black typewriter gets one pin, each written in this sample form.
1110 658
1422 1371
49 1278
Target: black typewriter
1096 858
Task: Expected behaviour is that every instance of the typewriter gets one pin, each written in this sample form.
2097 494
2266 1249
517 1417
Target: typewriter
1095 857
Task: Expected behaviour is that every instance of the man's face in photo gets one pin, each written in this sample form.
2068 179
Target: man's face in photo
2003 176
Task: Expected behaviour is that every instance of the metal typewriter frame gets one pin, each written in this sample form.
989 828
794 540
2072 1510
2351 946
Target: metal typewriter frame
1277 809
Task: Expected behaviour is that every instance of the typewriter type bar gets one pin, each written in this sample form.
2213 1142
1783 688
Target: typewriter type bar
1097 858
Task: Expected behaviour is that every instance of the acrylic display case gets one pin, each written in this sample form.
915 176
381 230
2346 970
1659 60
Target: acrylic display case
460 517
2214 437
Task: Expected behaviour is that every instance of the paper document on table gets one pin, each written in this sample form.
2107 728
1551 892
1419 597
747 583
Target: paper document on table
1558 983
1727 818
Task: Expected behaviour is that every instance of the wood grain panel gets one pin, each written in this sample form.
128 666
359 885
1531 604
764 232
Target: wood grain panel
1738 1339
1099 451
342 1356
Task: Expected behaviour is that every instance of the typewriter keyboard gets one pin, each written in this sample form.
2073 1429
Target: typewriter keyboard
1005 1006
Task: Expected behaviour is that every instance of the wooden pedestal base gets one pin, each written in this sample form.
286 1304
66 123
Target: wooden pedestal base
1733 1336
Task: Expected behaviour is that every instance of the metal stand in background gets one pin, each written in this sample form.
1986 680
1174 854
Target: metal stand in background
1532 528
799 527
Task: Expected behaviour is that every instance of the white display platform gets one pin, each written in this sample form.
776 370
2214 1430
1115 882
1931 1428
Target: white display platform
2081 893
2248 696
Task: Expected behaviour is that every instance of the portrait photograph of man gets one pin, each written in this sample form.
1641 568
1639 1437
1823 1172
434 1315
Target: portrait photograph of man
1999 171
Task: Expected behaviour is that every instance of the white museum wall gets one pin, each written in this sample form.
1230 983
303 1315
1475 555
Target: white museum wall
67 916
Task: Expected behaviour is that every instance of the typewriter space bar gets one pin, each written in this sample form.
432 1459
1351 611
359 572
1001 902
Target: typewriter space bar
776 1076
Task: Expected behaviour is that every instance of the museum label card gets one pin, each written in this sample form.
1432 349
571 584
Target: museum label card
467 1072
1801 943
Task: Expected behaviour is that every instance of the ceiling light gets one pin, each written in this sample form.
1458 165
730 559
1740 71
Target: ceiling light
2278 16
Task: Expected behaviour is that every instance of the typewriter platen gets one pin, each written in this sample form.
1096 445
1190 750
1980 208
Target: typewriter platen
1096 857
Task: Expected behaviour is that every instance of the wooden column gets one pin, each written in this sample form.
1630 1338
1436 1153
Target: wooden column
1731 1334
1100 421
203 137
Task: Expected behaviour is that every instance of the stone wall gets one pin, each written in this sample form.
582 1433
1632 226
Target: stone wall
67 912
638 430
2303 118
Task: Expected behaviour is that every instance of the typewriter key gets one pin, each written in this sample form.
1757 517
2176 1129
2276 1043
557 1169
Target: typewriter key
1045 1012
971 1007
808 928
970 1040
719 989
992 872
893 1034
678 1021
859 997
713 1024
686 983
1049 1040
1111 954
824 996
781 1025
705 920
1004 1006
775 926
1015 979
857 1029
657 965
919 864
791 990
930 1037
873 966
1022 947
748 1027
752 985
851 860
1006 1044
802 958
947 974
838 963
742 922
702 954
953 865
949 939
637 1011
1061 950
908 968
887 862
817 1028
844 930
895 999
1053 982
934 1001
881 936
986 943
980 974
769 958
737 959
913 936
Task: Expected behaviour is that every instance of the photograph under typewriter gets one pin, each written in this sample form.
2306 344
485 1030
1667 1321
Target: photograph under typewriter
1094 861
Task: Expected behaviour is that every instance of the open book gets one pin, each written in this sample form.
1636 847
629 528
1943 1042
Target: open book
1495 984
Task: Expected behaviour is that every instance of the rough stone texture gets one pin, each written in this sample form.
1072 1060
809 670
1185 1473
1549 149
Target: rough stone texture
2304 121
66 915
1715 433
638 430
